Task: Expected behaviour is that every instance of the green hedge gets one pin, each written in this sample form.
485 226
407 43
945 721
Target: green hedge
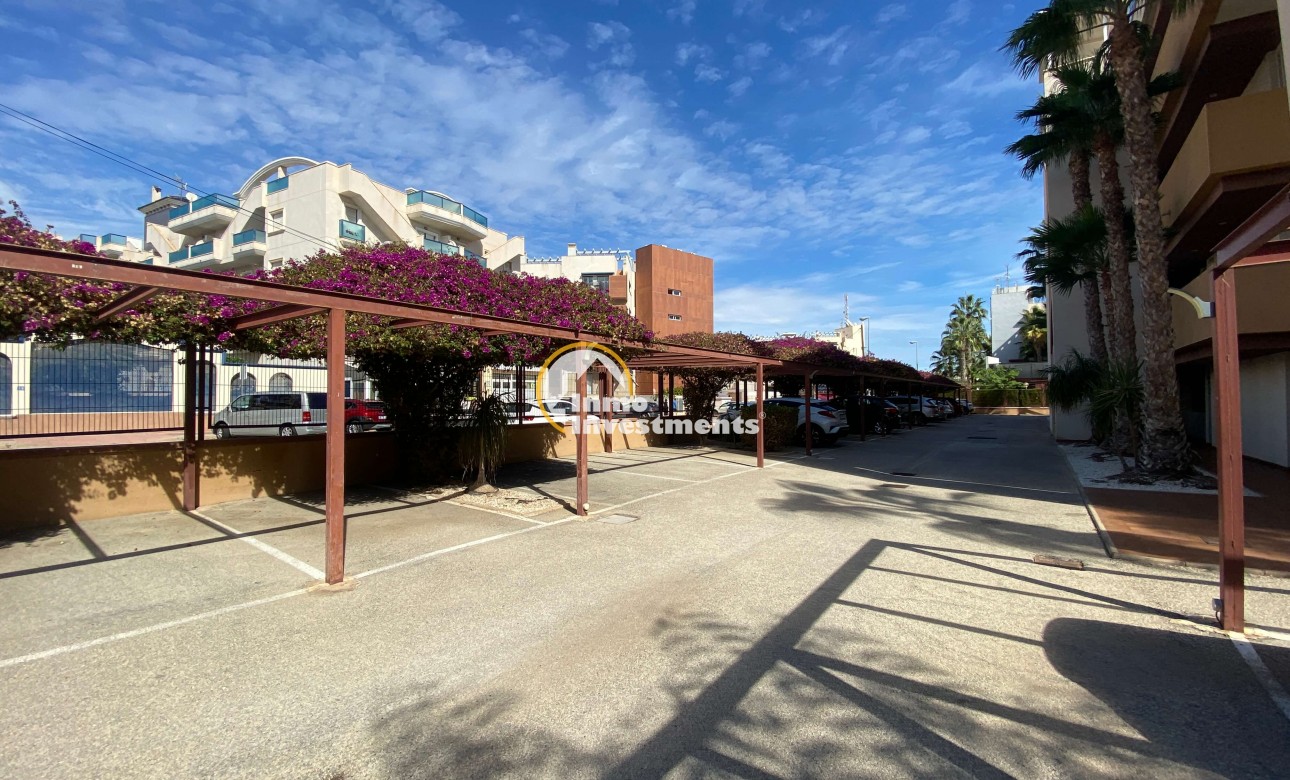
780 426
1024 397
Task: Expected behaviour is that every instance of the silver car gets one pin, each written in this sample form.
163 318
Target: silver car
272 414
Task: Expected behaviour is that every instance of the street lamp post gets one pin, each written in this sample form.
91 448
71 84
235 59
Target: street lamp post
915 343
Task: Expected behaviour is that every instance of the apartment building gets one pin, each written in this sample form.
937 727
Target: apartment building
612 271
1224 144
293 207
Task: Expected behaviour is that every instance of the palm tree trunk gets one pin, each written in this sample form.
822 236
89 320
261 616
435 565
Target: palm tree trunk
1082 192
1124 337
1164 444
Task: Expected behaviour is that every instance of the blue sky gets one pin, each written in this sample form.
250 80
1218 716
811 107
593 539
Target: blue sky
813 150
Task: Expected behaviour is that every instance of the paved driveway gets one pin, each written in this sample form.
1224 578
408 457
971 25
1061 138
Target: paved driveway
873 612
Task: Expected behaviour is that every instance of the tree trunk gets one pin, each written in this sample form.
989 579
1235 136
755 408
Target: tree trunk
1164 444
1124 336
1082 192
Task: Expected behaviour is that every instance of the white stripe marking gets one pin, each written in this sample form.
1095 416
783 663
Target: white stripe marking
660 476
22 659
1279 696
784 462
454 548
501 512
265 548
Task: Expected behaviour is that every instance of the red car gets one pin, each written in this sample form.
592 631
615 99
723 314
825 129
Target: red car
365 416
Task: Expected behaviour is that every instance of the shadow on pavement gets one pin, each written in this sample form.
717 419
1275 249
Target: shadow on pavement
1191 696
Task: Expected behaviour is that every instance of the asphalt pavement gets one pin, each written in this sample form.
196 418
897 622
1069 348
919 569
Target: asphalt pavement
872 611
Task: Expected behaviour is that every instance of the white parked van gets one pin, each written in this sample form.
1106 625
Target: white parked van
272 414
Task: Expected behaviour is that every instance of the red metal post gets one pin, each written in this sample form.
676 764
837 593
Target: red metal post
191 497
335 494
1231 476
203 392
580 438
863 427
807 396
660 393
519 393
761 418
671 394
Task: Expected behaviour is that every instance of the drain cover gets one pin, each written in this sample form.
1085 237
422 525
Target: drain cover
894 485
617 519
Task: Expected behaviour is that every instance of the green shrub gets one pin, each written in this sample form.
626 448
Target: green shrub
779 426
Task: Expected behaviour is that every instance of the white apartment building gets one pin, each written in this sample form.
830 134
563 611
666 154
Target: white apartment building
293 207
593 267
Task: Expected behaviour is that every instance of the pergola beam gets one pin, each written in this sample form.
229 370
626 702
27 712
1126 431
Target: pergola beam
274 314
1261 227
125 302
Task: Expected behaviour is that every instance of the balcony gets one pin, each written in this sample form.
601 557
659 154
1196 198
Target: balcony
277 185
1236 156
352 231
189 253
250 243
442 214
112 245
448 249
204 215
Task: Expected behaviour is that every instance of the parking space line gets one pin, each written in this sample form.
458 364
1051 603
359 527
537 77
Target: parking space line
262 547
659 476
784 462
492 511
455 548
1265 677
965 482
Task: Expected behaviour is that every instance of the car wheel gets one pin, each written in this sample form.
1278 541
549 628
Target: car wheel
222 431
877 428
287 430
353 426
831 439
920 418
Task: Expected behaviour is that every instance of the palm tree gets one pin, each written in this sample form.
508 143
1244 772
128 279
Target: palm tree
1063 253
1054 36
1033 329
1065 134
965 334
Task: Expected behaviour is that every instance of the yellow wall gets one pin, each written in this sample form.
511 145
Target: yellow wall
46 487
1241 134
1260 301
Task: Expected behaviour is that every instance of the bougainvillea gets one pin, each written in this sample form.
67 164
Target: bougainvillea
701 385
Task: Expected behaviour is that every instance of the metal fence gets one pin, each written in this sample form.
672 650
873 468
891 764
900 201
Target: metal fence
100 388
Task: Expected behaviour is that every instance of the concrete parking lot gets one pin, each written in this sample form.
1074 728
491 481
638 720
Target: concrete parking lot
870 611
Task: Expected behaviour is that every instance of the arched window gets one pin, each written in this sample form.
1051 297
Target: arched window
280 383
6 385
242 385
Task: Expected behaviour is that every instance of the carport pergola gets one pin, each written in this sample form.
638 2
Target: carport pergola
289 302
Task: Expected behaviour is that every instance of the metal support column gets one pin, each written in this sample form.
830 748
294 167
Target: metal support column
761 418
806 395
864 429
519 392
580 438
607 409
1231 476
203 392
192 498
335 494
671 394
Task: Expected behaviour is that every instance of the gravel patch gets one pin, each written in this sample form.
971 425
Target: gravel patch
1097 468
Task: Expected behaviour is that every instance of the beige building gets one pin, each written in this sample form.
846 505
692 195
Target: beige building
293 207
1224 143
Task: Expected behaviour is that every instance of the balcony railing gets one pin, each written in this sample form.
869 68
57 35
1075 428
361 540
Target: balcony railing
429 198
249 236
90 238
113 238
197 250
448 249
277 185
179 255
203 203
352 231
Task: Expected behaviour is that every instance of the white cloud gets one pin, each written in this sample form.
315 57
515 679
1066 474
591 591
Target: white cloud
739 87
720 129
909 286
708 74
550 46
833 46
981 80
614 36
753 55
958 12
890 13
691 52
684 11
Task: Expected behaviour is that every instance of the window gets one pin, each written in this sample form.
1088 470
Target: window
674 317
280 382
597 282
241 385
277 221
352 214
671 291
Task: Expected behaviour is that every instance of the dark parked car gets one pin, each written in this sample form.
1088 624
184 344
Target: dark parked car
880 416
365 416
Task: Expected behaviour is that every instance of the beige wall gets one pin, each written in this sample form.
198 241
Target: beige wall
1260 302
46 487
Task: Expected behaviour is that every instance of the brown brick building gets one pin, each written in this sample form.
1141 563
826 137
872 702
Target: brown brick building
673 295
